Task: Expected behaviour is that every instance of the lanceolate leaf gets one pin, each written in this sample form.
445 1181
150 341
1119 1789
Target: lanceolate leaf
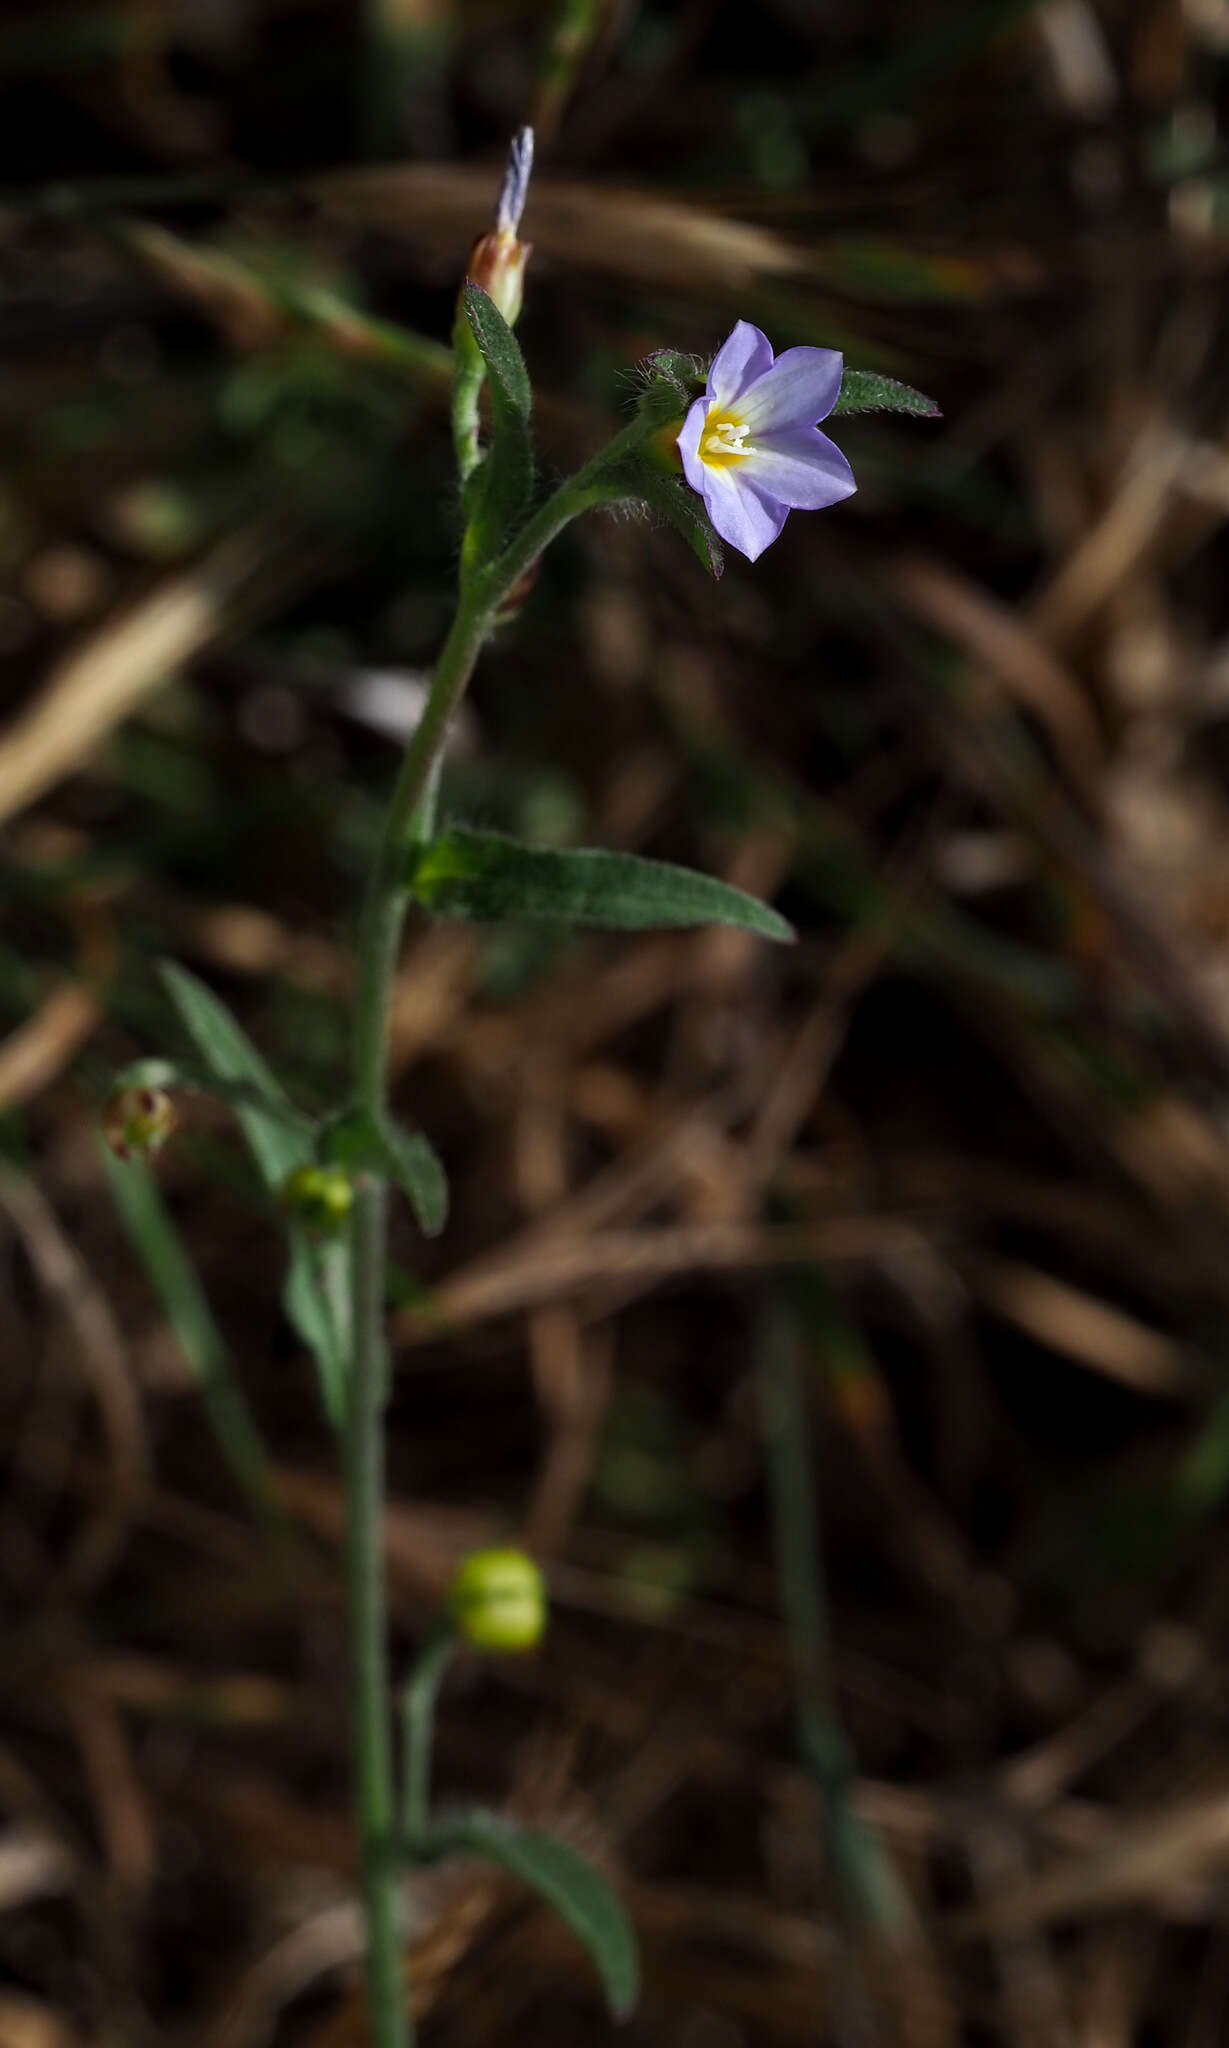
316 1292
316 1298
266 1116
484 877
866 391
501 487
566 1880
356 1141
172 1276
501 351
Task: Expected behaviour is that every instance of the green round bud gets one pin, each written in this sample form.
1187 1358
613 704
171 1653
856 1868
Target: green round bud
320 1198
138 1121
498 1601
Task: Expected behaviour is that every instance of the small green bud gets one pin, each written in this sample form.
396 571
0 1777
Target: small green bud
138 1121
498 1601
320 1198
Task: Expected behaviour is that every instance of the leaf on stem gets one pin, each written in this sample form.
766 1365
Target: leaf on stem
485 877
266 1116
316 1298
581 1896
501 351
866 391
501 487
316 1293
173 1277
356 1141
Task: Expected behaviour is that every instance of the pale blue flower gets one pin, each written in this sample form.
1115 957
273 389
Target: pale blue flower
751 446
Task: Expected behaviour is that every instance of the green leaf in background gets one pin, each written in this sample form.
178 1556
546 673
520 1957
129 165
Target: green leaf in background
316 1298
229 1055
173 1277
866 391
355 1141
485 877
501 487
316 1294
684 510
581 1896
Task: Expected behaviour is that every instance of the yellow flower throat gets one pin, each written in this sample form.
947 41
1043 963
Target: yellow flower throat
723 440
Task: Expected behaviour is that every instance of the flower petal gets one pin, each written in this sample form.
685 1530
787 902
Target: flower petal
741 359
741 515
694 470
801 467
801 387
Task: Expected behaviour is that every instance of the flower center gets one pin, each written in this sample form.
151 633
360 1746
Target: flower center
724 440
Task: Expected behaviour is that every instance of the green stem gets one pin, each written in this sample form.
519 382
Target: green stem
363 1472
410 819
593 484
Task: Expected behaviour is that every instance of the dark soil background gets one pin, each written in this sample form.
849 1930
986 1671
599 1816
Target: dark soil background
927 1216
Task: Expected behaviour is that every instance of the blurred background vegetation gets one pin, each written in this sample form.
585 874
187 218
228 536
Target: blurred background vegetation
917 1236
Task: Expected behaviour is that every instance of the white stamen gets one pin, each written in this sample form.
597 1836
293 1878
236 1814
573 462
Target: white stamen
727 437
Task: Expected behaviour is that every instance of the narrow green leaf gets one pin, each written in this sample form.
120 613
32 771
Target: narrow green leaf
316 1291
501 352
485 877
354 1140
866 391
416 1167
316 1298
501 487
173 1277
276 1144
679 504
581 1896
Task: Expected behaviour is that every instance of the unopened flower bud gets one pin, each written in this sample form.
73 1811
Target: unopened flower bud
497 263
498 1601
320 1198
138 1121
